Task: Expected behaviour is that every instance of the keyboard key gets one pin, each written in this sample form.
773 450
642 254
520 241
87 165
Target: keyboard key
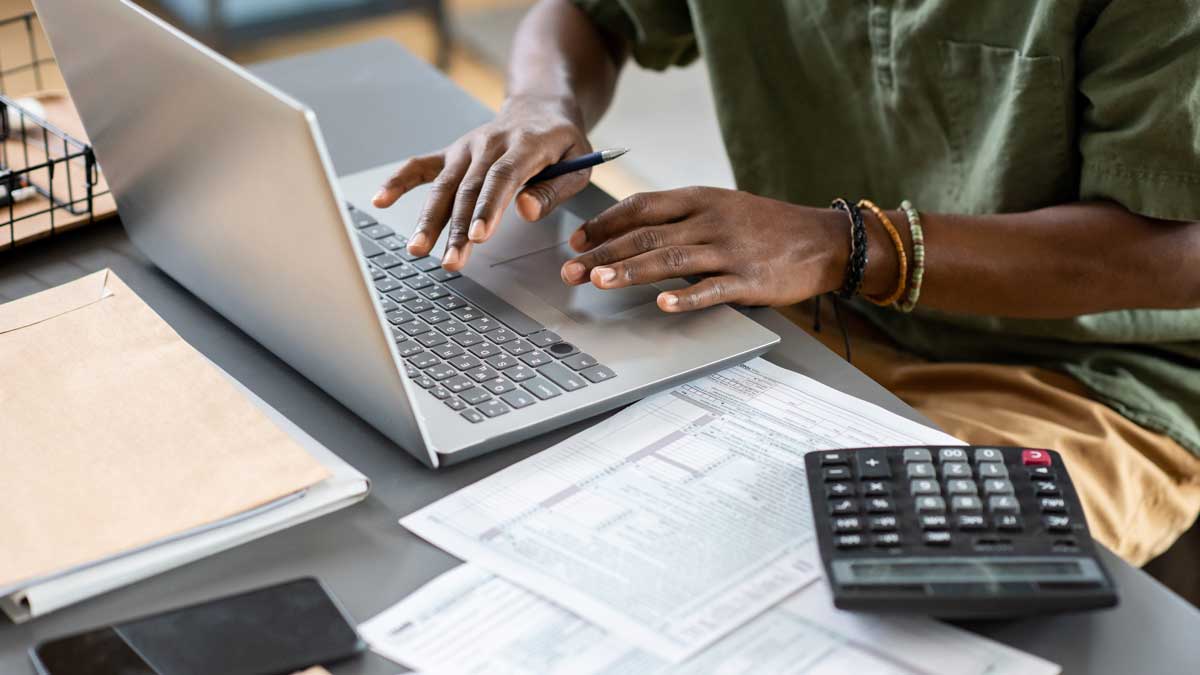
443 275
369 248
518 347
493 408
917 455
402 271
484 324
418 306
376 273
474 395
361 218
988 455
414 328
387 304
435 292
887 539
544 338
448 351
386 261
451 302
930 504
598 373
502 361
423 360
1035 458
541 388
961 486
1053 504
871 488
424 381
467 338
435 316
403 295
485 351
1003 504
387 285
441 371
426 264
937 538
564 378
970 521
391 243
1057 523
455 403
836 473
466 362
397 334
882 523
992 470
499 386
923 486
956 470
408 256
966 503
472 416
561 350
431 339
488 302
418 282
952 455
847 524
997 486
519 373
502 336
518 399
535 359
458 383
482 374
467 314
408 348
839 507
399 316
377 231
872 464
880 505
451 327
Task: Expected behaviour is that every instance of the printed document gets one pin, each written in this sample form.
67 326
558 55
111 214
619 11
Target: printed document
469 622
677 520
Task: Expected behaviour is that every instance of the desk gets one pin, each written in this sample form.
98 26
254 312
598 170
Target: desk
360 94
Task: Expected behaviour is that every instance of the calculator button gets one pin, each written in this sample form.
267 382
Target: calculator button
956 470
969 503
847 524
930 505
937 538
828 458
997 486
848 540
1008 522
992 470
1039 472
923 487
952 455
835 490
1057 523
872 464
842 506
920 470
1035 458
988 455
876 488
1055 504
919 455
887 540
961 486
934 522
970 521
880 505
882 523
1003 504
836 473
1045 487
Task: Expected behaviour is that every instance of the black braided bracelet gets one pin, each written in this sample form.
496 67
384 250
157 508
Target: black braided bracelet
856 265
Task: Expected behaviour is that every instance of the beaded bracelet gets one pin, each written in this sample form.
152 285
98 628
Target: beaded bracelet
918 273
856 264
902 276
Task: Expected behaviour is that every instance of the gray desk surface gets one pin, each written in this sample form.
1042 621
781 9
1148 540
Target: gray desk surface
363 94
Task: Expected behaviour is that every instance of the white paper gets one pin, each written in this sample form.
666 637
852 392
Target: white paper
469 622
344 487
676 520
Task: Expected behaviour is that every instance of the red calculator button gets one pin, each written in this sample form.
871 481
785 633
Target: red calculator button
1035 458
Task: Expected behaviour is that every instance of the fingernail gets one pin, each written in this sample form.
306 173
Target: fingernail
378 196
573 271
478 230
578 239
418 241
451 257
605 274
670 300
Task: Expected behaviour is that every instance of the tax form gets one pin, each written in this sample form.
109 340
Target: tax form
676 520
469 622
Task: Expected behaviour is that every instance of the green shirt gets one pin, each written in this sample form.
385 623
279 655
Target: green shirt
968 106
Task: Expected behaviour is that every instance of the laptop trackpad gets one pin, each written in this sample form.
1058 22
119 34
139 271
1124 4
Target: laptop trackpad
538 273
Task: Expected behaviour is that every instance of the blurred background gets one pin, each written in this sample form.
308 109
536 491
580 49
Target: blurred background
667 118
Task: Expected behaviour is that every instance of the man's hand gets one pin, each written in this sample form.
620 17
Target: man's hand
750 250
475 178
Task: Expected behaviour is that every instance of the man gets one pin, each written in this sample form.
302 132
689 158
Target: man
1052 148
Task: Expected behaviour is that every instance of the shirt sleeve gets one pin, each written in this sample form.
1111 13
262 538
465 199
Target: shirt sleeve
1139 75
659 33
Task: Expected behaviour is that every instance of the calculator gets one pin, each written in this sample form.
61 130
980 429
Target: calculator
960 532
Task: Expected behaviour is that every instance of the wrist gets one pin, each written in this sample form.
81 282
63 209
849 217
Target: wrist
835 227
562 105
882 274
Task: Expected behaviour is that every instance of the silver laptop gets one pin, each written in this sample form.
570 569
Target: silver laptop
226 185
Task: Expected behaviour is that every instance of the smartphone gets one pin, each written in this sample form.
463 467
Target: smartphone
277 629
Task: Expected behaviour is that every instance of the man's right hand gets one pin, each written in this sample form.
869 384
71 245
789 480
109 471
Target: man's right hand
475 178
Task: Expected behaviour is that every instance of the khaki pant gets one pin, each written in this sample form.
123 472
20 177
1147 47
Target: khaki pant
1140 489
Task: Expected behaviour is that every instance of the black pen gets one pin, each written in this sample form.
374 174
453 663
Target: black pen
582 162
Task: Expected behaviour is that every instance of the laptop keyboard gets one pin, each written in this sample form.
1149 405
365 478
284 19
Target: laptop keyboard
460 342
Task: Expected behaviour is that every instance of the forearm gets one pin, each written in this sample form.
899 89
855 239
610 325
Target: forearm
561 57
1056 262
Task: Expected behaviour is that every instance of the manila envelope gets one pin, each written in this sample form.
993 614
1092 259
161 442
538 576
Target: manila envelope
116 434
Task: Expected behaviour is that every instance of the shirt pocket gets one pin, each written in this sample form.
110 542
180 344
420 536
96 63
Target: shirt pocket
1009 132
